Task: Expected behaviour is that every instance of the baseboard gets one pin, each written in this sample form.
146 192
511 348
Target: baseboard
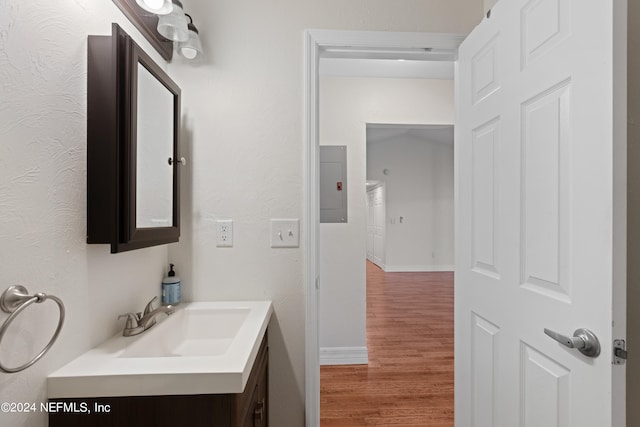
418 268
344 356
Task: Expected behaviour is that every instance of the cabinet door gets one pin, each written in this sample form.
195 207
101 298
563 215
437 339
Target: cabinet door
261 411
251 414
258 415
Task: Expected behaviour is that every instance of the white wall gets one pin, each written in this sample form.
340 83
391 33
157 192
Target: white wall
243 125
43 50
346 106
419 188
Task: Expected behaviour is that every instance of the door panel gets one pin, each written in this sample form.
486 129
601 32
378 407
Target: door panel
545 177
534 214
485 145
484 358
545 24
485 71
544 390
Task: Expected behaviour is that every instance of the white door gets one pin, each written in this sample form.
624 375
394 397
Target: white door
370 225
379 226
536 201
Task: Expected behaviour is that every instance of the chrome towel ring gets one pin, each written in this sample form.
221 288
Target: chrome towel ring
15 299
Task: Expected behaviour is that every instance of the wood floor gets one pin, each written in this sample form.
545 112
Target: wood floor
409 379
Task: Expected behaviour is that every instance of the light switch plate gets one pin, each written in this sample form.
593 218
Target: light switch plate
285 233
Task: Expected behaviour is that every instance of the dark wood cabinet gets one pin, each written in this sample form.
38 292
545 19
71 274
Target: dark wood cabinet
133 163
255 409
247 409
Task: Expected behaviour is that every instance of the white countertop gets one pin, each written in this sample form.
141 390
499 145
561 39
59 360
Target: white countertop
104 371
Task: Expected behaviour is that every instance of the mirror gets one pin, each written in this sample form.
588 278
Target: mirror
133 123
154 153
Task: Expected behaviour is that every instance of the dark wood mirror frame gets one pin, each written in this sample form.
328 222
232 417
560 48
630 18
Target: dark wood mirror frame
112 144
147 23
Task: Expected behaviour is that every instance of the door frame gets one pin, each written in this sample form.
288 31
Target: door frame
316 42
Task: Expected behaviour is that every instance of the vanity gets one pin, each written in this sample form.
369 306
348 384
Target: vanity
204 365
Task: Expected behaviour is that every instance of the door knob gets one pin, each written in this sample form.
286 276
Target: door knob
583 339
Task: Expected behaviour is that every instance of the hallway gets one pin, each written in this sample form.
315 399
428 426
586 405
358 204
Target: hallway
409 379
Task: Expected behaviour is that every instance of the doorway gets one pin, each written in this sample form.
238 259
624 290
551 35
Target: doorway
440 47
411 168
508 53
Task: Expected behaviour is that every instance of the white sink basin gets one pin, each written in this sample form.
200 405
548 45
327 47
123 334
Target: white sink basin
203 348
191 332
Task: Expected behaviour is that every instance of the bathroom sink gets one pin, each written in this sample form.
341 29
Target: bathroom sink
203 348
191 332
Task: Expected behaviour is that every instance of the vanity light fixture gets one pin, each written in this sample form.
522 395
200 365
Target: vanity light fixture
174 25
159 7
192 48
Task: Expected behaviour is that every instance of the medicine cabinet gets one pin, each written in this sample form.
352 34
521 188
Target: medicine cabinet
133 164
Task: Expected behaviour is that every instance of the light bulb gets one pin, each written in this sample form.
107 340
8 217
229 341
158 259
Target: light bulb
153 4
189 52
192 47
159 7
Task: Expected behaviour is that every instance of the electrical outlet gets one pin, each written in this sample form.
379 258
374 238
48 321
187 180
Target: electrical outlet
224 233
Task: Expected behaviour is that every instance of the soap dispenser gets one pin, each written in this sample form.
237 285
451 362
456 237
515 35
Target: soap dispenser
171 288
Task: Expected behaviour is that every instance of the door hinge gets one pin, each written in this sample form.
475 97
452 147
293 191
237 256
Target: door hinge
619 352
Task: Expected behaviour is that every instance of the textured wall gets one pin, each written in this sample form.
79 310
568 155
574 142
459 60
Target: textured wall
43 48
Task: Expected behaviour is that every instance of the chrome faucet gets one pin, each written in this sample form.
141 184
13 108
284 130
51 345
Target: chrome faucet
140 322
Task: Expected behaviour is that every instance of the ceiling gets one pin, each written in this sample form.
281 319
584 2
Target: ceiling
389 62
388 132
386 68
